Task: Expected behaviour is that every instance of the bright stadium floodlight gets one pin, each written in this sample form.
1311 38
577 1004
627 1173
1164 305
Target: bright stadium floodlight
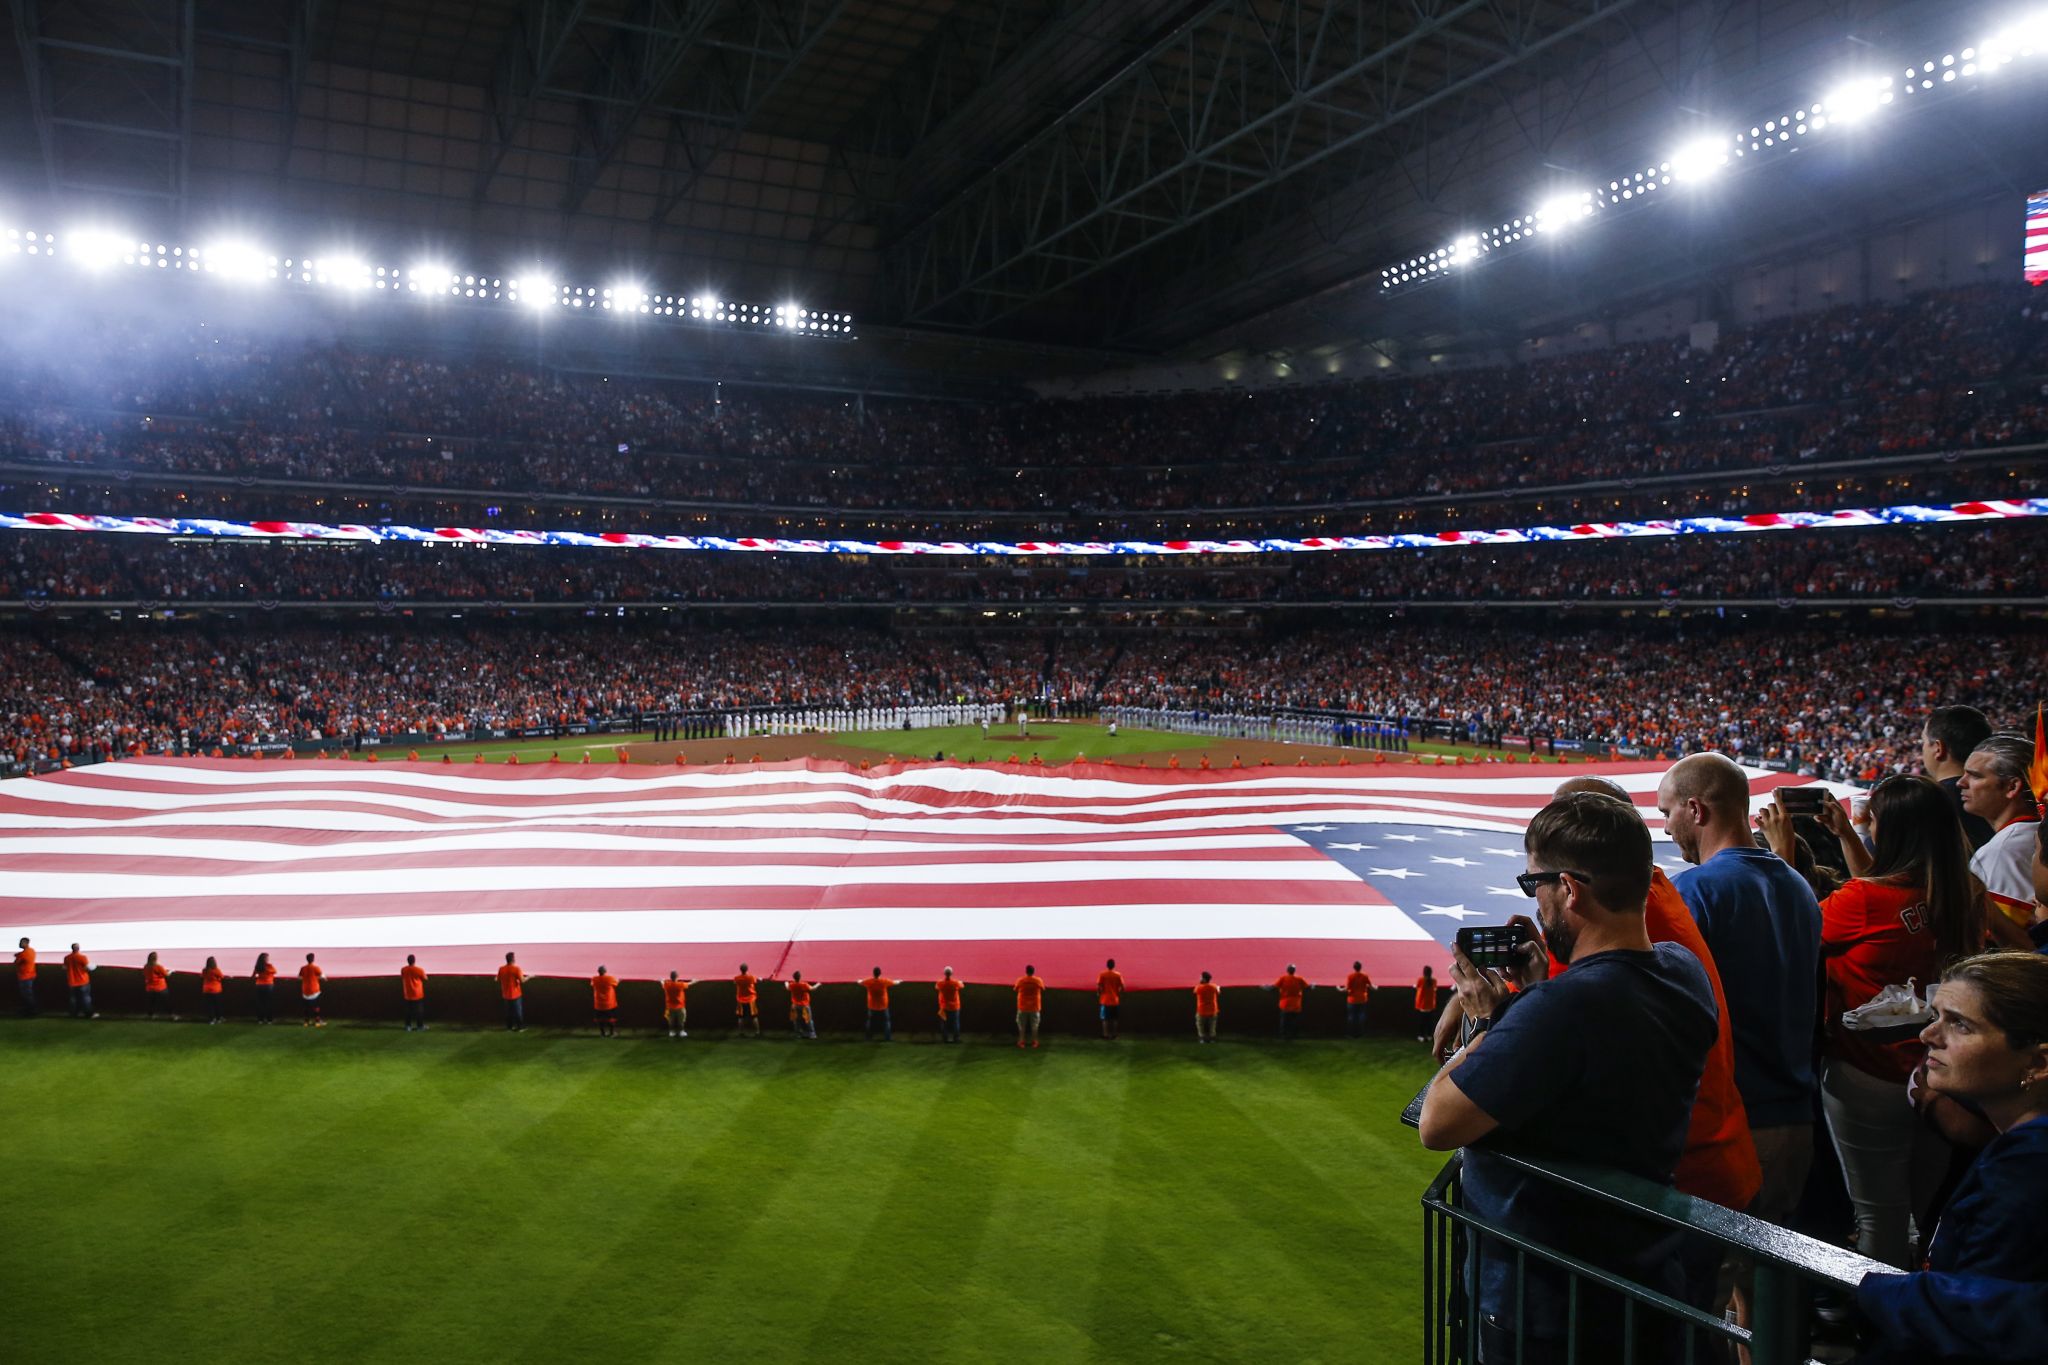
431 278
1858 99
535 291
1465 250
242 262
626 296
1564 211
1701 159
96 249
341 272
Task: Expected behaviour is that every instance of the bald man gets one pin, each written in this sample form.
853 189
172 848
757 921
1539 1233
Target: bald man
1762 924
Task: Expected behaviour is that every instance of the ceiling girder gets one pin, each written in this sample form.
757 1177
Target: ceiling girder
1238 100
640 61
525 68
110 89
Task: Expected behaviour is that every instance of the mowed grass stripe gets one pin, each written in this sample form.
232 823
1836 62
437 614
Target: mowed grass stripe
192 1193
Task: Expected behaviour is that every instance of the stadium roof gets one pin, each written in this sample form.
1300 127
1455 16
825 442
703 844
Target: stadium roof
1143 177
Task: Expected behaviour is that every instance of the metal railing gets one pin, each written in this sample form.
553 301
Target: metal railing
1655 1328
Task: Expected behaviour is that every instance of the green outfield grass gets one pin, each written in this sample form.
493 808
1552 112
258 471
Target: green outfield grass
185 1193
603 749
1053 741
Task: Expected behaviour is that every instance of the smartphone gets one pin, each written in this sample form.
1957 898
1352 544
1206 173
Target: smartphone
1497 946
1804 800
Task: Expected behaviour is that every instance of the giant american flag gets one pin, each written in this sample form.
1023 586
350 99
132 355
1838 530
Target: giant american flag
805 865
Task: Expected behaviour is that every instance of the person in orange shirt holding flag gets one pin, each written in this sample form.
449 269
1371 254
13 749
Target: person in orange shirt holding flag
1425 1003
746 1002
156 989
1030 1005
1109 997
800 1021
78 979
264 976
877 986
25 979
949 990
604 1002
512 990
412 989
1357 994
675 1005
1291 987
311 979
1208 1006
213 990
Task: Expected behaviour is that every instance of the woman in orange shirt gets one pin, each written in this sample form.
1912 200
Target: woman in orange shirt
211 984
264 975
1425 1004
310 978
156 989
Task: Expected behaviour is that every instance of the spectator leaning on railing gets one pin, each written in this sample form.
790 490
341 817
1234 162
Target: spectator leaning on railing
1599 1065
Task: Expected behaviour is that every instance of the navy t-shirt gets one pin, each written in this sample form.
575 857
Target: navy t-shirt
1762 924
1599 1065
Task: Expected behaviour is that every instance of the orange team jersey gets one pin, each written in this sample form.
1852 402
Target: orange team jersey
948 988
155 978
1357 988
1030 994
799 995
604 991
25 964
77 970
1208 997
267 976
877 988
309 979
743 988
1425 993
673 994
1109 987
1290 987
412 982
210 981
510 979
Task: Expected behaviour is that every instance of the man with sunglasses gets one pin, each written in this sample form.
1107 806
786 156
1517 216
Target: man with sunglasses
1599 1065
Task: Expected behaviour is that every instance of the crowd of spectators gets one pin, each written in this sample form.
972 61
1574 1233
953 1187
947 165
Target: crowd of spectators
1842 704
1950 371
2000 560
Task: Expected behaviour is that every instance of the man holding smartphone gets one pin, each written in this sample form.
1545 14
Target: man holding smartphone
1599 1065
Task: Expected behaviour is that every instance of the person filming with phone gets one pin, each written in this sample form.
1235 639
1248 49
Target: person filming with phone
1599 1065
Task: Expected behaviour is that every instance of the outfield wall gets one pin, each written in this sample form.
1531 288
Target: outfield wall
557 1002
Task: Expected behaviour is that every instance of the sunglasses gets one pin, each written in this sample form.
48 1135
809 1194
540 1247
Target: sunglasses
1529 881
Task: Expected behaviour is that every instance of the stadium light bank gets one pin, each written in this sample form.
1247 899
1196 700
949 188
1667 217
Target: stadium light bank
102 251
1854 101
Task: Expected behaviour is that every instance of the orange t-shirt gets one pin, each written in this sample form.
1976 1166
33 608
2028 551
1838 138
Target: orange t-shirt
155 978
1719 1163
799 994
1291 988
604 991
510 979
1207 998
1357 988
412 982
1874 934
674 994
743 988
1030 994
877 988
210 981
1109 987
77 970
309 979
25 964
1425 994
948 988
267 976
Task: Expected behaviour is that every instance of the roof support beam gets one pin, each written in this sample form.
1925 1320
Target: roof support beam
639 62
524 69
1236 101
110 88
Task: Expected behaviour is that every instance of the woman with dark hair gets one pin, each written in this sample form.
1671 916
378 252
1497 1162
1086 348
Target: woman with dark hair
1980 1298
1909 911
265 977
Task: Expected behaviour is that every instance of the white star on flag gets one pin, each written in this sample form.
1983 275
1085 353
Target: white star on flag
1397 873
1454 862
1407 838
1456 912
1504 891
1355 848
1504 852
1455 833
1313 829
